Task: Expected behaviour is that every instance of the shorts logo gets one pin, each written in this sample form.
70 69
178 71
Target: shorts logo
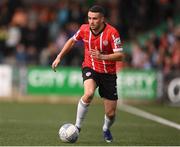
105 42
88 74
115 93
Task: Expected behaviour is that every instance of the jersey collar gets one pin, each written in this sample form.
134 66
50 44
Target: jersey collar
99 31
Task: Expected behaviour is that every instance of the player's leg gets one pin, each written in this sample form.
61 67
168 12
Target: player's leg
109 118
110 113
108 91
89 89
82 108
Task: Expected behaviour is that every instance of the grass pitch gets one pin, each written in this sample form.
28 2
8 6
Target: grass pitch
27 124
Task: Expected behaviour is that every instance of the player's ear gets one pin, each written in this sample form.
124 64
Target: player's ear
102 19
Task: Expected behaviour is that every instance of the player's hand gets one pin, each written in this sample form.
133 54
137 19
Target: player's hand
96 54
55 64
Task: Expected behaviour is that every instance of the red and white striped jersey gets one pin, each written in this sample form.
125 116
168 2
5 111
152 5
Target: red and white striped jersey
107 42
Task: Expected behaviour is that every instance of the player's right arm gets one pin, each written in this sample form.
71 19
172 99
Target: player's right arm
67 47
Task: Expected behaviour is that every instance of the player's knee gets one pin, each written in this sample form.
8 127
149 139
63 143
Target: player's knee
89 94
87 97
110 114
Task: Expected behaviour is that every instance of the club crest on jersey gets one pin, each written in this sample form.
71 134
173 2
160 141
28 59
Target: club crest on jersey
88 74
105 42
117 41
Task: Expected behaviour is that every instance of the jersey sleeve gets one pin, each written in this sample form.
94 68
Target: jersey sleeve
79 34
116 41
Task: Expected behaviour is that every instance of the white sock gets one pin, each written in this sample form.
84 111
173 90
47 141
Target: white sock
107 123
82 109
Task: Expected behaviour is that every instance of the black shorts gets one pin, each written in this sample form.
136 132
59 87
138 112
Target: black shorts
106 82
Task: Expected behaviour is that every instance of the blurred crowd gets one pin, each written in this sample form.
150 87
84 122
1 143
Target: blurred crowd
158 52
33 32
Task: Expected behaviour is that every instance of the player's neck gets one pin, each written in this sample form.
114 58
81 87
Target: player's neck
99 31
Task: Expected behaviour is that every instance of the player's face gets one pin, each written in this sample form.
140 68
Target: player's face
95 20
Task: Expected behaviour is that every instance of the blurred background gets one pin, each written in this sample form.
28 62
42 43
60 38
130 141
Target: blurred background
33 32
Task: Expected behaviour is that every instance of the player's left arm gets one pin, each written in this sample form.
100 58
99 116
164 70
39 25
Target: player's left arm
116 46
116 56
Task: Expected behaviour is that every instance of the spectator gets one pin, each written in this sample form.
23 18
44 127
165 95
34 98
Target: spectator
31 32
21 55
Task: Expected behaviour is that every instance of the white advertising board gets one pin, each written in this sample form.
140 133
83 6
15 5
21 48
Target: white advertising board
5 80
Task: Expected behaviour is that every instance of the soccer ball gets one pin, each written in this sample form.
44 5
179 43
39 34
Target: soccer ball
68 133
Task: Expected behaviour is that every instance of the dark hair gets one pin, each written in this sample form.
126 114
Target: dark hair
98 9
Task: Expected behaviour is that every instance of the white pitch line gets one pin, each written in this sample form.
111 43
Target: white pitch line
141 113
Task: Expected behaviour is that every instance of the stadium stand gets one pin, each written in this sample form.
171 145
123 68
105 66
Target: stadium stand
32 32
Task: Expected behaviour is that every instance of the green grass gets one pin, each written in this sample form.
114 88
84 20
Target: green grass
30 124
